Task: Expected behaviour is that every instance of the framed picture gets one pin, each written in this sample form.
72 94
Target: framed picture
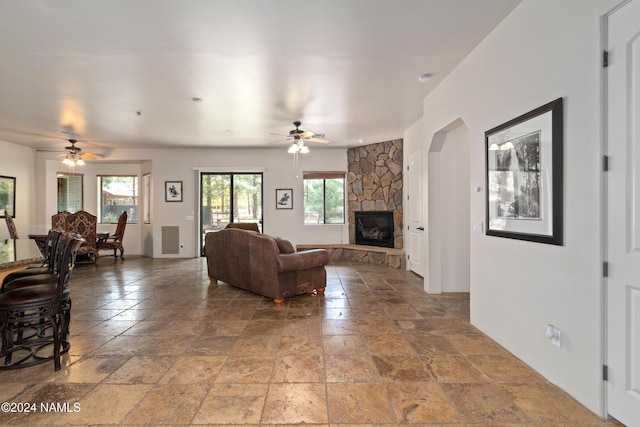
284 198
7 195
173 191
524 176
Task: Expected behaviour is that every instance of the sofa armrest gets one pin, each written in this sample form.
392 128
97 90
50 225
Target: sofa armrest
302 260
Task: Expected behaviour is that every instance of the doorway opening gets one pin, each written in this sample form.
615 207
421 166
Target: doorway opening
449 210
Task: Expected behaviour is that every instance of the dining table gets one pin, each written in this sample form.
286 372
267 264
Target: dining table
41 239
16 254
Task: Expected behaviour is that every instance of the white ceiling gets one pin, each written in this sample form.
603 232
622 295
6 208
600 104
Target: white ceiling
346 68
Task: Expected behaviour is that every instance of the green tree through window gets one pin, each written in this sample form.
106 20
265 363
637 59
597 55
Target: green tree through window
324 197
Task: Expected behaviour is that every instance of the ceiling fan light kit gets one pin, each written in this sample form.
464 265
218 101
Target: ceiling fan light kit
73 156
299 136
73 160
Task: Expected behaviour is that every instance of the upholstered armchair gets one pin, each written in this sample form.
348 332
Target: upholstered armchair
59 220
85 224
115 240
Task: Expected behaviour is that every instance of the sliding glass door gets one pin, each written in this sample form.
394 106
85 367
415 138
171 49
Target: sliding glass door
229 197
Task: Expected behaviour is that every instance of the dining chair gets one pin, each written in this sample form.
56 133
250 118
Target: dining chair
115 240
11 225
49 264
37 316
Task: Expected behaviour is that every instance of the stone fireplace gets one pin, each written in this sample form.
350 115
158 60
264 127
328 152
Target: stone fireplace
374 191
374 184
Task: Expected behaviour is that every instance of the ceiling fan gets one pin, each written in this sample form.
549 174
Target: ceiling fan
74 156
298 138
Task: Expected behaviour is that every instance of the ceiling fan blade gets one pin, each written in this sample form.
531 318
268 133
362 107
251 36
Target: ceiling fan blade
319 140
91 156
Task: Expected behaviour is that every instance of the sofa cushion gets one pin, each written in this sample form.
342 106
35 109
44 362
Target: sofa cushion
284 246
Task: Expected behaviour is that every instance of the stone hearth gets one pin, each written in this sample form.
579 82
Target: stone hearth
389 257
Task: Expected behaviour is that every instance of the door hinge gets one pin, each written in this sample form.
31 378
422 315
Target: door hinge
407 197
407 167
605 269
605 59
605 163
408 256
605 373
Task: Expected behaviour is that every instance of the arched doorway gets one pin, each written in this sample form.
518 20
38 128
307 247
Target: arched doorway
449 210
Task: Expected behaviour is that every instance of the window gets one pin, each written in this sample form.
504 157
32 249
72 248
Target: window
323 197
117 194
69 192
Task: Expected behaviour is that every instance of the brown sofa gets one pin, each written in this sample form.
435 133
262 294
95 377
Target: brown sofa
251 226
263 264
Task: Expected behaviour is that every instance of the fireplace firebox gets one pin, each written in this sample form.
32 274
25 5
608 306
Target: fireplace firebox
374 228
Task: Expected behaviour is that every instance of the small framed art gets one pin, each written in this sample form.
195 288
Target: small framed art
284 198
173 191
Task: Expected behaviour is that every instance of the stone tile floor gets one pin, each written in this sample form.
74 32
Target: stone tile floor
153 342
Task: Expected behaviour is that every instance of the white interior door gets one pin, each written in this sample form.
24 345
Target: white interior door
623 215
416 227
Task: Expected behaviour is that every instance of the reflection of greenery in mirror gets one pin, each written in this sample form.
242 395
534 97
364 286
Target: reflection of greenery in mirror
324 201
7 195
117 194
70 188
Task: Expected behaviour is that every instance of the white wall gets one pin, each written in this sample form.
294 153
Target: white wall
453 205
19 162
182 165
544 50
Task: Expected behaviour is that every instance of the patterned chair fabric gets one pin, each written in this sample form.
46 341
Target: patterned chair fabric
115 240
85 224
13 233
59 220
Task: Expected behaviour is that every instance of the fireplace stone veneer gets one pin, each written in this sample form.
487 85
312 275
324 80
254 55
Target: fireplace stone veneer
374 183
